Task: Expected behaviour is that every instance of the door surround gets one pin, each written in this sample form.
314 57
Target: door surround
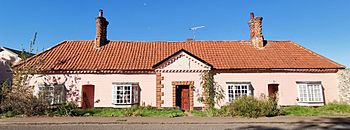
190 84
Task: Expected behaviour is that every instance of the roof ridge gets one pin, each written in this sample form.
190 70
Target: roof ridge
183 41
77 40
319 55
279 40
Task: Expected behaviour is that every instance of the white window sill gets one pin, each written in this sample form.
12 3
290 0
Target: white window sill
310 103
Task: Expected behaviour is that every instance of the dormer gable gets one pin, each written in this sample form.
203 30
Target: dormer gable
182 61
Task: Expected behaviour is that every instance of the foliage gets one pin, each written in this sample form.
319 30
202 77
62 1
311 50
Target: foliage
249 106
4 90
66 109
330 109
213 93
210 112
19 99
24 105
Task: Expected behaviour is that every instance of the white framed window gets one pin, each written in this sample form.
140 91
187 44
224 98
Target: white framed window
54 94
125 93
238 89
310 91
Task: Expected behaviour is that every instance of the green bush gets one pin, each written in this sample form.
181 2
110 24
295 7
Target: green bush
270 106
249 106
66 109
7 114
210 112
24 105
86 112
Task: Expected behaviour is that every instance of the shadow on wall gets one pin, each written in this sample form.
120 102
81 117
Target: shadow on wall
5 68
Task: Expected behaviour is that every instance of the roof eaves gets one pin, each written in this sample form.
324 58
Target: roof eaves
32 57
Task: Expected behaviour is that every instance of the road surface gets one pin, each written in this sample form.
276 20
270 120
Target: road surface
259 126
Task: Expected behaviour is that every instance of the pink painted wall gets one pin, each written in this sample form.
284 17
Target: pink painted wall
147 83
103 86
287 84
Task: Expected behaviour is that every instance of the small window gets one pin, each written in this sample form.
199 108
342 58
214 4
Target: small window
125 94
310 92
54 94
236 90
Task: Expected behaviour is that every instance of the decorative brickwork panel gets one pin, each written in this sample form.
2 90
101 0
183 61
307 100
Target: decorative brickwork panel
190 83
158 90
343 78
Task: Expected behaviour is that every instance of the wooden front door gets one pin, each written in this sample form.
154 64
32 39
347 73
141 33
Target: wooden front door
88 95
183 97
273 90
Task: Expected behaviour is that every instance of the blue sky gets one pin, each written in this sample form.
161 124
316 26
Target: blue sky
320 25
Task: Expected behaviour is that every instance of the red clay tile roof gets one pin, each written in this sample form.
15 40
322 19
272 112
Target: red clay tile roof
134 55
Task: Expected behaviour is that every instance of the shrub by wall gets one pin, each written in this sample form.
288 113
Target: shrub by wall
249 106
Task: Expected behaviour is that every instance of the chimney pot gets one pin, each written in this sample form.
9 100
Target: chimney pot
100 13
251 15
189 39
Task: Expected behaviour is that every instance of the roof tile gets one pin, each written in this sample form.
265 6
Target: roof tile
135 55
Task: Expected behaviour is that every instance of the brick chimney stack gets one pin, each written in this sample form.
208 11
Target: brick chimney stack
101 30
256 36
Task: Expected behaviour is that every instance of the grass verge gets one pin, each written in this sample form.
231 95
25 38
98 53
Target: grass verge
133 111
331 109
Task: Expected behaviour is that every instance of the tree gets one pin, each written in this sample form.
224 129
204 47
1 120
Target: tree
19 98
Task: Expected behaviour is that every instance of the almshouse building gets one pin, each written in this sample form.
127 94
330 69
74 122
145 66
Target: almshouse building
108 73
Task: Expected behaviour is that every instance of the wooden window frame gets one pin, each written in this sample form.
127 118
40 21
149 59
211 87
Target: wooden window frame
234 87
310 88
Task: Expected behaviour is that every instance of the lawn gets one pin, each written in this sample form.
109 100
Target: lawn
331 109
133 111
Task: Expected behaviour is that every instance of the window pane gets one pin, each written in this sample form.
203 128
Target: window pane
310 93
123 94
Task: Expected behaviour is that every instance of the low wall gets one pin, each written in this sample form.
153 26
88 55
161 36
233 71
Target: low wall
343 78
